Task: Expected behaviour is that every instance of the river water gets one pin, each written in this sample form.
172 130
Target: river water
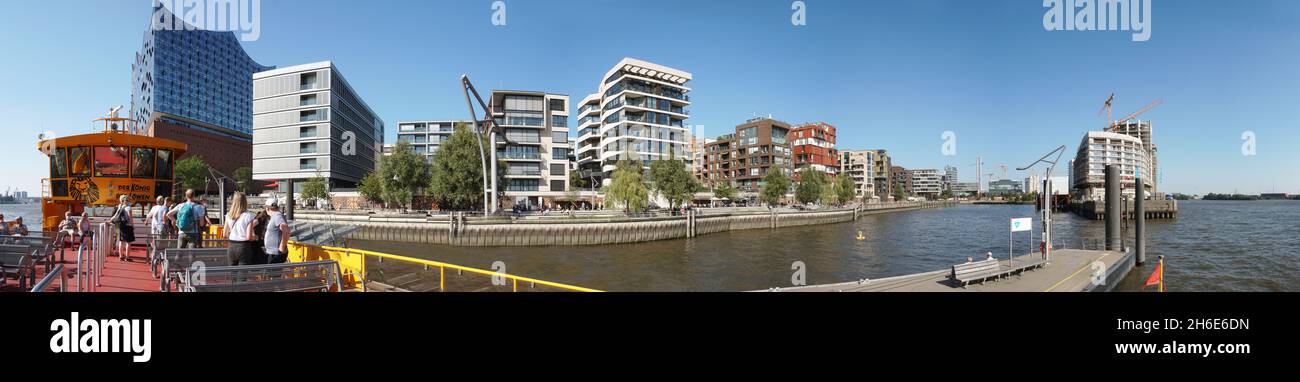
1212 246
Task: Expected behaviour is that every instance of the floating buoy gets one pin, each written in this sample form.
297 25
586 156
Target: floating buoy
860 237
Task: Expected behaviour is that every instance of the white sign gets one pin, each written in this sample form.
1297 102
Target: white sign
1022 225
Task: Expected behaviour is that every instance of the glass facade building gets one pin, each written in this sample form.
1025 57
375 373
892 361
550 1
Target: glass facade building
198 75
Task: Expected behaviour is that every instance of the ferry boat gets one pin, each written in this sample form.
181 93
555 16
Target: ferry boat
88 173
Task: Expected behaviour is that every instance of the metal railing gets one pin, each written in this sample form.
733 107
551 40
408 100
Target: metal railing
355 272
45 282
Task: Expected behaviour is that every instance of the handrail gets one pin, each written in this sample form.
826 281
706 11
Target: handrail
442 268
49 278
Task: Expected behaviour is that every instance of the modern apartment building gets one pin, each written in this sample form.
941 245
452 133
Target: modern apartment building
900 177
813 145
588 137
858 165
534 144
742 159
1099 149
642 116
1142 131
426 136
308 121
881 169
950 178
927 183
965 188
195 86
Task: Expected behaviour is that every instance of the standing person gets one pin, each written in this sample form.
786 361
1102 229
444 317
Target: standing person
84 232
125 231
240 231
4 227
186 217
169 231
202 211
157 218
277 233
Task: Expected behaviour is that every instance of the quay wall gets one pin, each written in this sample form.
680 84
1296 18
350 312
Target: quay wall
458 230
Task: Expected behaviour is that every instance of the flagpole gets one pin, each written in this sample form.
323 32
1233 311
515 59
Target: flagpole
1162 273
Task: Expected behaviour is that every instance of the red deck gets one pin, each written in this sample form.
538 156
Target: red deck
118 276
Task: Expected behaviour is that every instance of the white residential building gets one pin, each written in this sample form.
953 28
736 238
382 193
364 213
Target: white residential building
927 183
534 143
308 121
641 113
1099 149
426 136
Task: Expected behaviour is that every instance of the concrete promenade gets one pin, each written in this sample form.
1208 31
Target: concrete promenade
1070 270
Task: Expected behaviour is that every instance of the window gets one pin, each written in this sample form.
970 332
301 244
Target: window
307 164
559 153
59 163
142 162
59 188
307 148
311 116
557 105
307 132
164 164
561 137
558 169
557 185
559 121
307 81
111 161
80 163
307 100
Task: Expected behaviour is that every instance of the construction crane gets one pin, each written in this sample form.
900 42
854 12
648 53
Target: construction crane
1004 171
1143 110
1107 108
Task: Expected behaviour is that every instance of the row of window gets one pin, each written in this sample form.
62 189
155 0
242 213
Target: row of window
111 161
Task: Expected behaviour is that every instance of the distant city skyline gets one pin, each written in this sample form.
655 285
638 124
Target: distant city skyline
893 75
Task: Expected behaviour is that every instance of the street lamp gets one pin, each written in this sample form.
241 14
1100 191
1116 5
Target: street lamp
1047 197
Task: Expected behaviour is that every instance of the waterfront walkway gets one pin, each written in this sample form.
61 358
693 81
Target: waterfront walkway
1070 270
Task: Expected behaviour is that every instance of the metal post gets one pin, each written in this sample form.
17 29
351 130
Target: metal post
1140 222
492 139
1113 211
289 202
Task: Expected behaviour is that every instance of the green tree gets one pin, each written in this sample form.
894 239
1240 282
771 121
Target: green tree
457 177
244 178
725 191
314 189
192 173
628 189
372 188
577 181
811 183
670 179
776 184
847 189
946 194
404 174
899 195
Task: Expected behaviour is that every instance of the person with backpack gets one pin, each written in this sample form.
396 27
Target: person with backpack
186 217
125 230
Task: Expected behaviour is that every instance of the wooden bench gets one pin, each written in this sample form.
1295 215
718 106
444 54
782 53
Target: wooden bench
316 276
176 262
157 246
980 271
16 260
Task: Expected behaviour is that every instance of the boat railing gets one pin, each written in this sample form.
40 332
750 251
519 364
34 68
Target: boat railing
357 271
56 273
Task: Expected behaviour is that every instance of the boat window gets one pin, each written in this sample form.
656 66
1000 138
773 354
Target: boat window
110 161
59 163
59 188
164 164
142 162
80 164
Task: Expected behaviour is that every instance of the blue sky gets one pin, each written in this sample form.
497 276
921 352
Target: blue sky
888 74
